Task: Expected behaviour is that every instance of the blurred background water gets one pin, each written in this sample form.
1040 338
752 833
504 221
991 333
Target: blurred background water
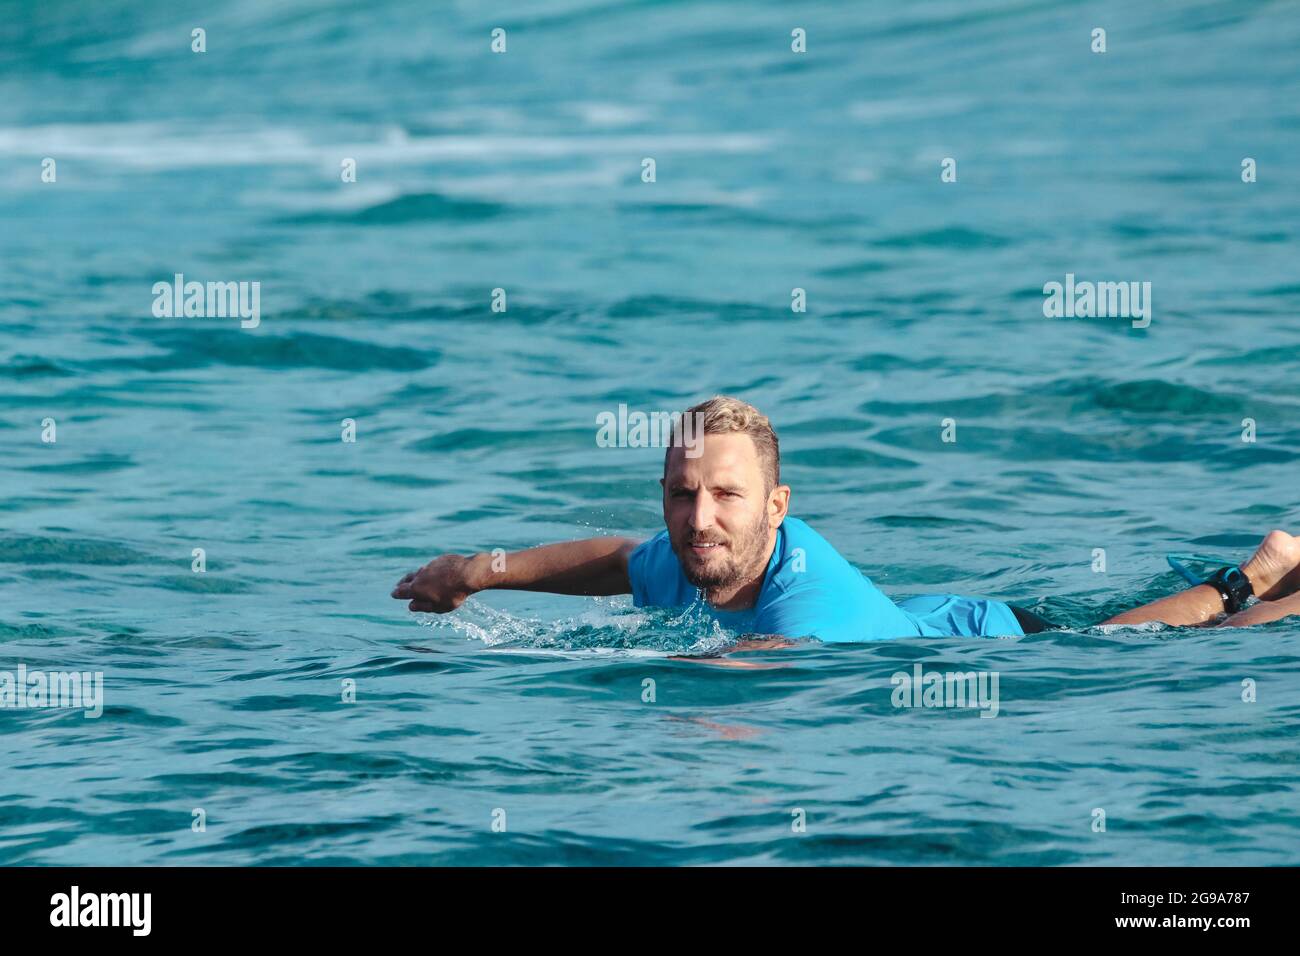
476 430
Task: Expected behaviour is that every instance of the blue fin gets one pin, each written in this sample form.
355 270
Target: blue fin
1182 569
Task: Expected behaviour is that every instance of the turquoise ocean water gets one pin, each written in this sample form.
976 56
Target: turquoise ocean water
476 430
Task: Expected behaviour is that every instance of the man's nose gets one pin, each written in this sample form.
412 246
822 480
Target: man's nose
702 512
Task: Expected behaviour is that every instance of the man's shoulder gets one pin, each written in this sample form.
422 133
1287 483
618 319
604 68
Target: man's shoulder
816 592
653 545
797 528
801 535
808 558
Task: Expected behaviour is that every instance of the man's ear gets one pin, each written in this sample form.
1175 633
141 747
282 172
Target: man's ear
778 504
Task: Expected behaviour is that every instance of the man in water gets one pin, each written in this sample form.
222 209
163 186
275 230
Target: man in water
730 546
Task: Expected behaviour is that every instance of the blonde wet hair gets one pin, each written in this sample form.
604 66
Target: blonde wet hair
724 415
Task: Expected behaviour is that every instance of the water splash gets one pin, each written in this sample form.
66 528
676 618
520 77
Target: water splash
605 626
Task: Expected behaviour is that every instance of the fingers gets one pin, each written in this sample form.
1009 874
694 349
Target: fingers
425 606
403 587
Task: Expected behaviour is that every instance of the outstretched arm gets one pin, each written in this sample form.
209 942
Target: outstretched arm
592 566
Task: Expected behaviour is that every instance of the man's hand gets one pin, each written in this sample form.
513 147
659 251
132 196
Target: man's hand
440 586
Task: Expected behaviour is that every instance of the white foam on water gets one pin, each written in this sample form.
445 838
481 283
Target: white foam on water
155 146
494 628
356 196
607 115
584 652
883 111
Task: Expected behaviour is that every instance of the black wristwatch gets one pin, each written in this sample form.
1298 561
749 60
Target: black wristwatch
1233 586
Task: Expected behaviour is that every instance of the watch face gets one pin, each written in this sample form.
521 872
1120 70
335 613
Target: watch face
1234 577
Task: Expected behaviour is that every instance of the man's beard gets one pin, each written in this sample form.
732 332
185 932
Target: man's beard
741 556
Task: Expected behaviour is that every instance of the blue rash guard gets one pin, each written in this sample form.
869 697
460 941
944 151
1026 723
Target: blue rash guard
810 590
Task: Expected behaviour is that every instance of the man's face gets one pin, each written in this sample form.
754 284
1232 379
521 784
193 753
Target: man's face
719 514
